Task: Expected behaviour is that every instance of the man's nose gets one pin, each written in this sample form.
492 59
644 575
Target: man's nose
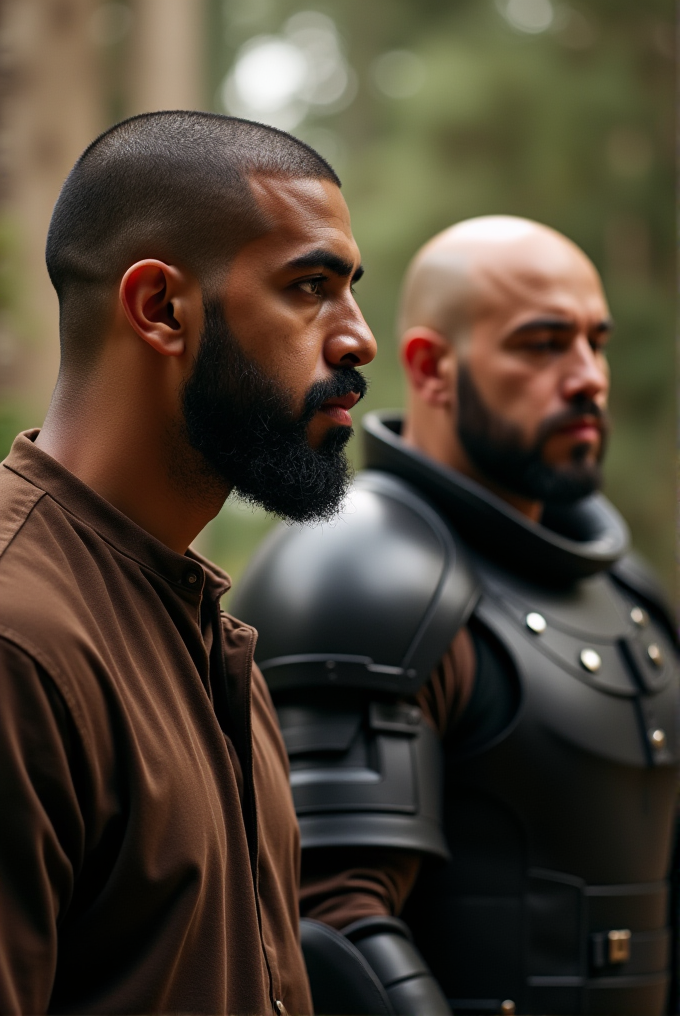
586 372
352 343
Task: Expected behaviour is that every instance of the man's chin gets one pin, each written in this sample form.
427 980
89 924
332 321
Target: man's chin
320 435
567 485
581 454
300 483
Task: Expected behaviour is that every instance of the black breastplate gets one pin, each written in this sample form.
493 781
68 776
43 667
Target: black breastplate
561 828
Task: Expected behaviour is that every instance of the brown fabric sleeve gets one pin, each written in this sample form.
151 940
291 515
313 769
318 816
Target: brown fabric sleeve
444 698
42 834
342 886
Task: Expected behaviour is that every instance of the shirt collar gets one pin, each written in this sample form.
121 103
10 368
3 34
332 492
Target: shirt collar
193 573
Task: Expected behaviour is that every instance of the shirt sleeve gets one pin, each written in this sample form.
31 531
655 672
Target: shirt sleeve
446 695
41 830
342 886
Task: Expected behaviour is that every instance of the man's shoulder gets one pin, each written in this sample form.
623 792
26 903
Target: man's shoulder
36 583
374 597
18 498
36 602
27 561
32 529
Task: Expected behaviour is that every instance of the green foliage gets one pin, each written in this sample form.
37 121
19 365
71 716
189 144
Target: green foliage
11 422
14 416
578 139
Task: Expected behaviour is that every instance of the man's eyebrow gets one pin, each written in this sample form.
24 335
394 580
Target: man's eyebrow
327 259
560 325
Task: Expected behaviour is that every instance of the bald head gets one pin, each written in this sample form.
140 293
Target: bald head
468 270
504 326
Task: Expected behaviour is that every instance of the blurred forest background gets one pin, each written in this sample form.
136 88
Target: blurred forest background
431 111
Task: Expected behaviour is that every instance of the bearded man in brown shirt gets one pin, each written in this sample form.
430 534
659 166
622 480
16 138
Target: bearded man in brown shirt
149 853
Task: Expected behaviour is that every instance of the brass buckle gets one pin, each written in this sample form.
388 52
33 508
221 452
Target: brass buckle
619 946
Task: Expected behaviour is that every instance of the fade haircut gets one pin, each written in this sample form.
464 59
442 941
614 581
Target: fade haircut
170 185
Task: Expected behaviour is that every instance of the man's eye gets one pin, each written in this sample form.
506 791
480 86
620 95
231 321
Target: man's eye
311 286
549 345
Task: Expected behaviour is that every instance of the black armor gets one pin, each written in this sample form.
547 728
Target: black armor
551 886
343 638
372 967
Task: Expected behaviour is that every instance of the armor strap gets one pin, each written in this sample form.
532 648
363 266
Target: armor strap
364 776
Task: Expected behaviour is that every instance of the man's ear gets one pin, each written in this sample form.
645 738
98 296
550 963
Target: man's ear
158 302
430 363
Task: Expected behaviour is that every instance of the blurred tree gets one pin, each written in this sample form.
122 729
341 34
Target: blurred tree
51 108
559 112
69 68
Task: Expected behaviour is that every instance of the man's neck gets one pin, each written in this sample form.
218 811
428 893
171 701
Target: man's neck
437 438
135 464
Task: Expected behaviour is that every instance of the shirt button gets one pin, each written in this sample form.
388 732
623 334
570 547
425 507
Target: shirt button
191 578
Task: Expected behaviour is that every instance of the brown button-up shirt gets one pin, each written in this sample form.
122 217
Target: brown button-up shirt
148 843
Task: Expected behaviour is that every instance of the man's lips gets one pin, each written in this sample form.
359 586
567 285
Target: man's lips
338 408
586 429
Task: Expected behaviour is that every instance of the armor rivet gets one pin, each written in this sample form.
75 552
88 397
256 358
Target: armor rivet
655 654
658 737
508 1007
330 664
411 673
639 616
591 660
619 946
536 623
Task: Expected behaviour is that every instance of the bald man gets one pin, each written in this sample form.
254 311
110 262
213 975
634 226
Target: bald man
477 685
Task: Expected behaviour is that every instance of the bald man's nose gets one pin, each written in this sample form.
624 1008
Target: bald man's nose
586 371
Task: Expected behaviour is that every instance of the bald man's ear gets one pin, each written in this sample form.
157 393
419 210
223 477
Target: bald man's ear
430 364
159 303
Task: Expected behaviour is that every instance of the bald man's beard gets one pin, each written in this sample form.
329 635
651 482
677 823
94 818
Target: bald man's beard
498 450
242 423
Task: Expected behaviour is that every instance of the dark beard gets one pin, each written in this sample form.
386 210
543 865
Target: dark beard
242 423
497 449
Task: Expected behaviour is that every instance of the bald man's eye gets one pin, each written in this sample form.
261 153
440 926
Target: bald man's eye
598 343
546 342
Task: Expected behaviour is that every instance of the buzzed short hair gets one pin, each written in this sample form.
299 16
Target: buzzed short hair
170 185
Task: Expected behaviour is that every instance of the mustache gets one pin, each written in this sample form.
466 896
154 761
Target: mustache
579 407
342 381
